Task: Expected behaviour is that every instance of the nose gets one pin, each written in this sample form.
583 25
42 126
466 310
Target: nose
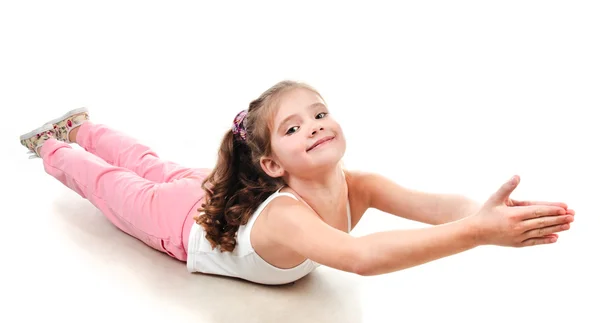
316 129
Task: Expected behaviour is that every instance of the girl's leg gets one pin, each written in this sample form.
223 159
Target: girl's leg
121 150
154 213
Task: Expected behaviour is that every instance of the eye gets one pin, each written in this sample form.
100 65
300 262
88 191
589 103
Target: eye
289 130
323 115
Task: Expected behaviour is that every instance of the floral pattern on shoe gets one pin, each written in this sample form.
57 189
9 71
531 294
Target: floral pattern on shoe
63 128
35 142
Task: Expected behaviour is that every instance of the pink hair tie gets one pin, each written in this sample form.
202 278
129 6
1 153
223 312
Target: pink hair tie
239 125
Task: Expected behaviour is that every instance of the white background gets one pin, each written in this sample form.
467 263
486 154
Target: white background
444 96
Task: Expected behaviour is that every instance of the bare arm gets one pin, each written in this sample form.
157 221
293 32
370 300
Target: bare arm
295 226
292 224
391 251
430 208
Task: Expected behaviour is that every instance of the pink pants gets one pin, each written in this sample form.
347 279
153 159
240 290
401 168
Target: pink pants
148 198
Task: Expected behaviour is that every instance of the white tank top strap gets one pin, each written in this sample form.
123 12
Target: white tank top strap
287 194
348 208
349 216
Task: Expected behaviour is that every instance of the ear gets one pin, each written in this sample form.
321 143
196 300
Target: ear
271 167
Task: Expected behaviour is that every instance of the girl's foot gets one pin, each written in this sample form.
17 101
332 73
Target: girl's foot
68 122
34 140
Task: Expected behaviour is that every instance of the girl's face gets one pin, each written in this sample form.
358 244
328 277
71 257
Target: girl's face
305 138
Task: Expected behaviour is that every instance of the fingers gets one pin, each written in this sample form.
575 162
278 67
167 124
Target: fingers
539 241
531 212
546 221
544 231
530 203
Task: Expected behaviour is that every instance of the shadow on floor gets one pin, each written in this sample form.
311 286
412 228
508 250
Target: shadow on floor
323 296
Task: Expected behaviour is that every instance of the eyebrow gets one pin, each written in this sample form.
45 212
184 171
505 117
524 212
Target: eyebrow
310 107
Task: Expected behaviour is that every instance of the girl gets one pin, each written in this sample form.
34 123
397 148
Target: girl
278 202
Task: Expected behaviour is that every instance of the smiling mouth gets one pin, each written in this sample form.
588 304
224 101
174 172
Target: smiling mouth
320 142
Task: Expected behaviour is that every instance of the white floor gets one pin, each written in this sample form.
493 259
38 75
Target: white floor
441 97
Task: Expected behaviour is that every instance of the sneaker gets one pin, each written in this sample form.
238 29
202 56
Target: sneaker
64 124
34 139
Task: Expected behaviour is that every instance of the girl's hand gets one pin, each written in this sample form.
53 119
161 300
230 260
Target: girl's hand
504 222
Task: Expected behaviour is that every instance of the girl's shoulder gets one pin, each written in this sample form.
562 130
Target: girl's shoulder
354 179
358 194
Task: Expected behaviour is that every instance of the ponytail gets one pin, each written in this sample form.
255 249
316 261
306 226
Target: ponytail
234 189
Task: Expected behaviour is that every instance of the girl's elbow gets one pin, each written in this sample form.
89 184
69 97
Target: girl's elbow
363 263
365 268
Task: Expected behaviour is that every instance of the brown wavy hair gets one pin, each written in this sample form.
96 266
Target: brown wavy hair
237 185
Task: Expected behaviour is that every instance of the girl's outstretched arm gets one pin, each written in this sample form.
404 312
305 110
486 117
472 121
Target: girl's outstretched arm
425 207
292 224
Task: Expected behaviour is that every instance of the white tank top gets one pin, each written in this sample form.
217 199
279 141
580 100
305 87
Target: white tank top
243 262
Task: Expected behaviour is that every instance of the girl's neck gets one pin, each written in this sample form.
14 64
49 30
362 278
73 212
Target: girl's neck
324 193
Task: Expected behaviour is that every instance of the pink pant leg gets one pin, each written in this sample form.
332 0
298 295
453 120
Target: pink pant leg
121 150
151 212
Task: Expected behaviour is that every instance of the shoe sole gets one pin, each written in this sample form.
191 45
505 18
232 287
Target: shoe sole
49 125
66 115
34 132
